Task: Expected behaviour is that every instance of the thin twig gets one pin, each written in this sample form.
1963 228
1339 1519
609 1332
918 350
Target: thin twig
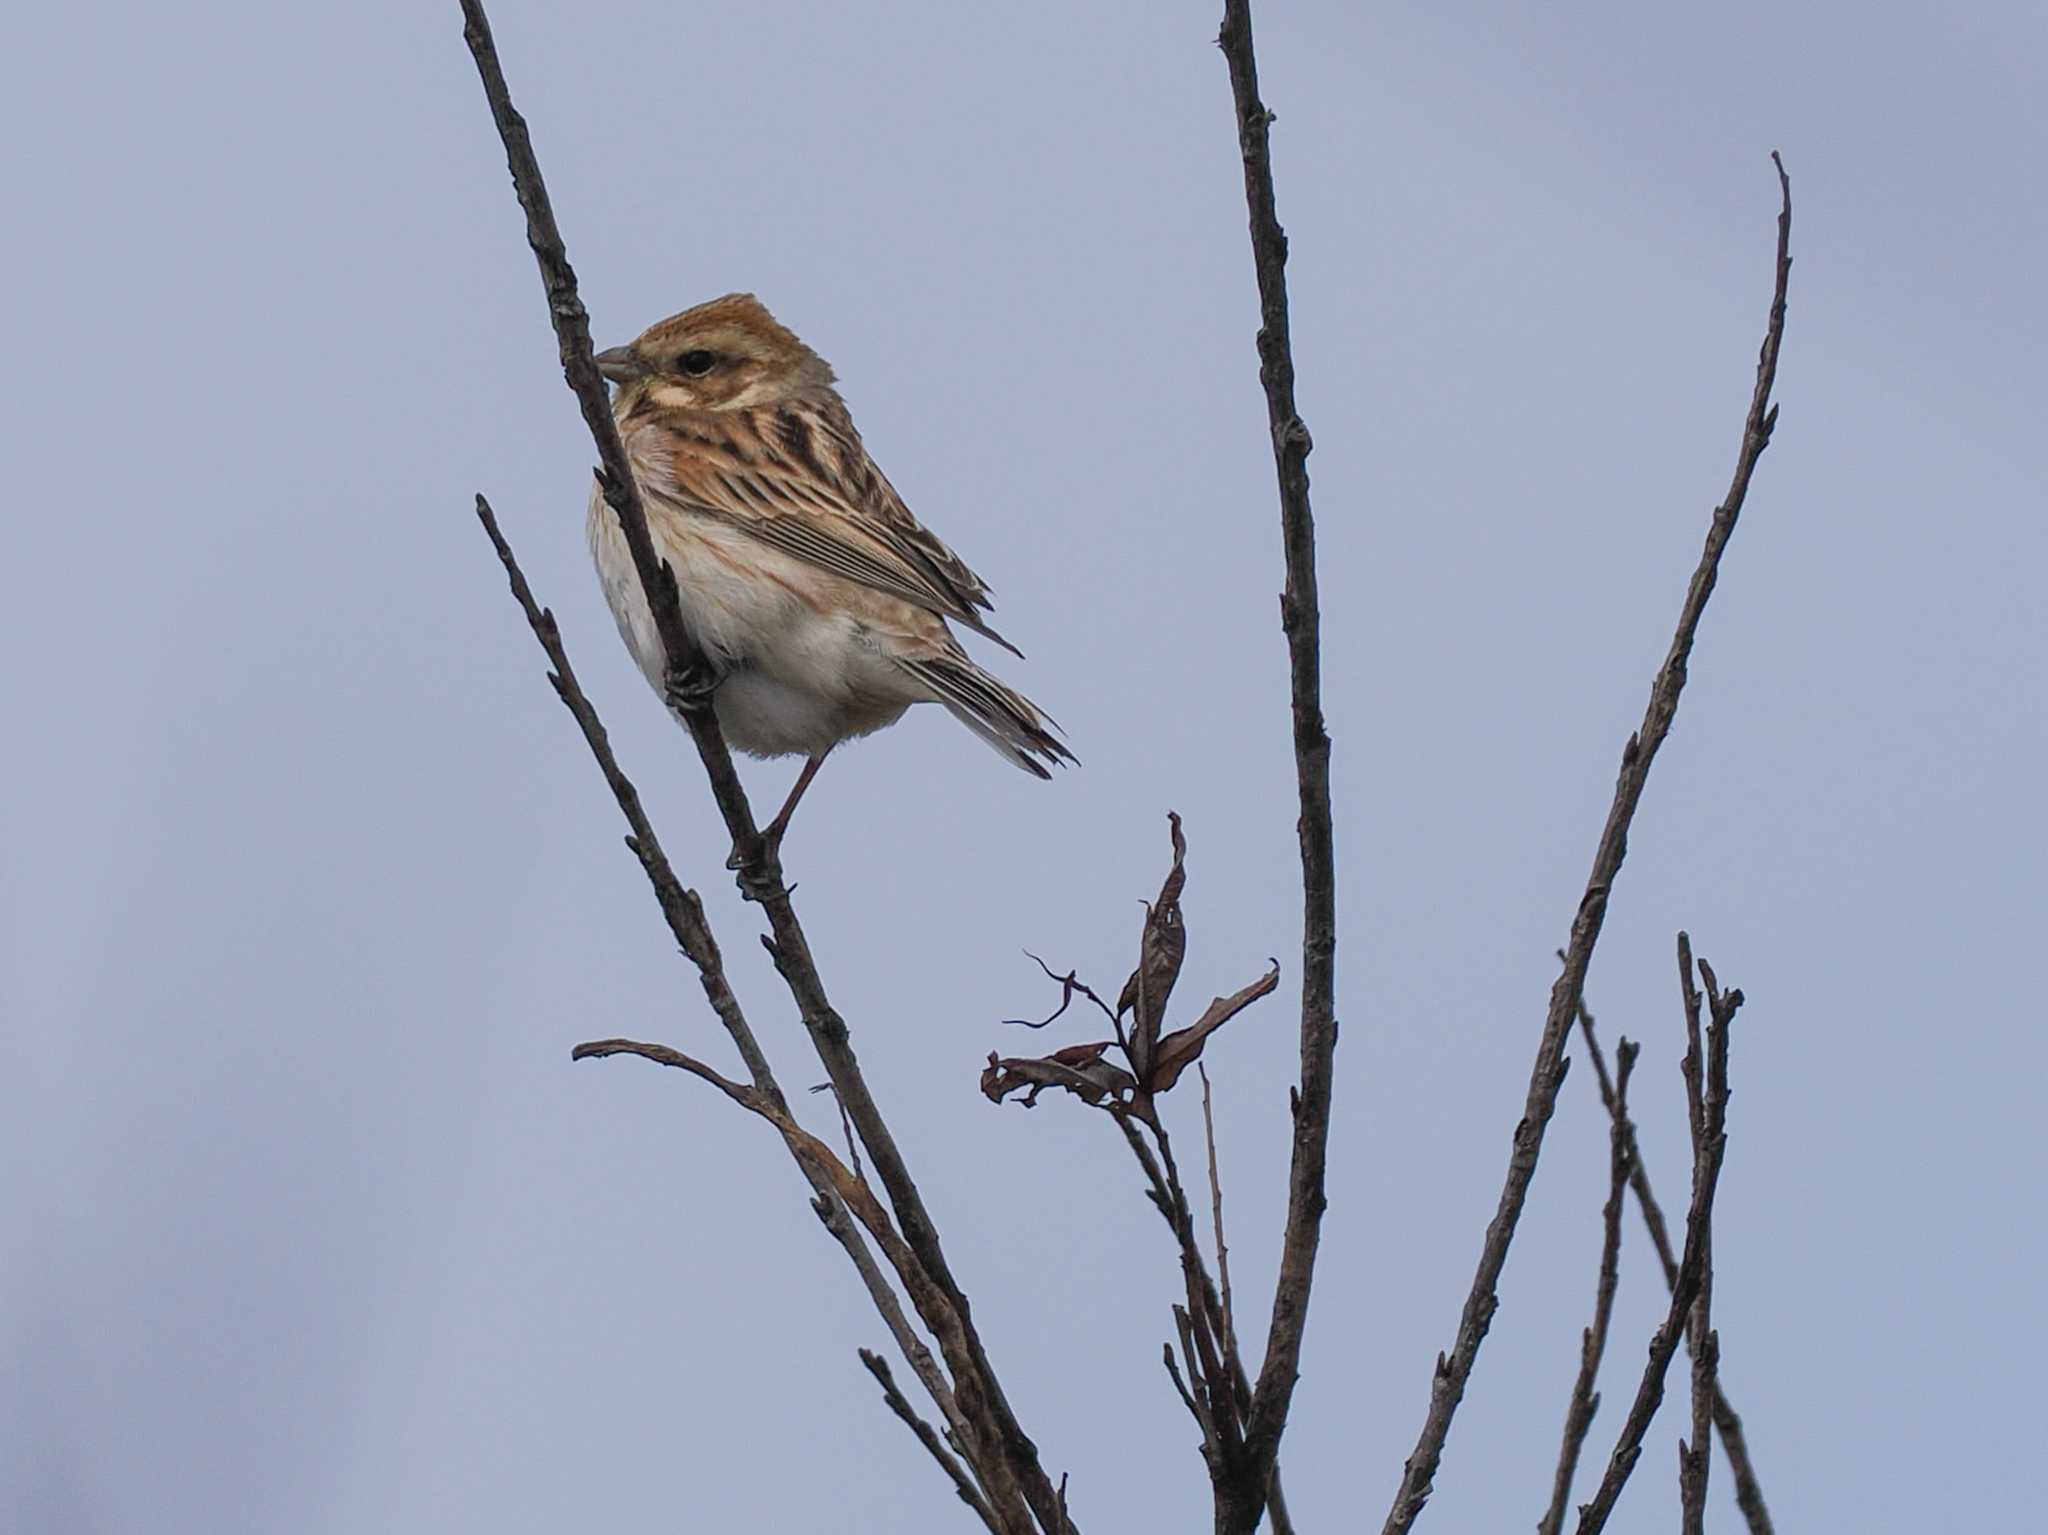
838 1221
1180 1384
1205 1307
1241 1502
1638 1176
828 1206
682 907
1695 1458
1749 1495
1162 1188
1692 1269
1693 1067
929 1438
1546 1076
761 879
662 1055
1230 1352
1204 1387
821 1162
1695 1453
1585 1401
846 1131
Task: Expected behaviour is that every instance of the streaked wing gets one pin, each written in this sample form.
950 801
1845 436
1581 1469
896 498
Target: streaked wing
801 482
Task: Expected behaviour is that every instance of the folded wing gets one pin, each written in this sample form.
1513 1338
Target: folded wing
798 479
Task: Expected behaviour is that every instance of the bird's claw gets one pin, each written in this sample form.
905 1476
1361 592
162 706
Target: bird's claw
758 866
689 689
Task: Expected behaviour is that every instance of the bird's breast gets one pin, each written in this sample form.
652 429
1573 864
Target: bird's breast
804 670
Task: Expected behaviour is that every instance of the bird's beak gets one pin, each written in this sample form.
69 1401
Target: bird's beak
620 365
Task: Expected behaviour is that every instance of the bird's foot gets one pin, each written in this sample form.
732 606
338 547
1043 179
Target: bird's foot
688 689
758 865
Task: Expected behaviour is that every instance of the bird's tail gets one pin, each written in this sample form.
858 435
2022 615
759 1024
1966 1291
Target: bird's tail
998 713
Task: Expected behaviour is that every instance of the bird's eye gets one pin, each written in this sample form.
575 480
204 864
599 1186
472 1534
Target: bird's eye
698 363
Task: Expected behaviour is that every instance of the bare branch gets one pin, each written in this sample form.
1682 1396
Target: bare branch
1749 1496
662 1055
1180 1384
928 1437
579 370
1546 1076
1585 1401
1203 1306
839 1223
1695 1460
1234 1386
1694 1456
1241 1503
1212 1414
761 878
823 1165
685 914
1638 1177
1692 1067
682 907
829 1207
1693 1267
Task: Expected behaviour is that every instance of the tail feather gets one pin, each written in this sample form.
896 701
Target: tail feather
998 713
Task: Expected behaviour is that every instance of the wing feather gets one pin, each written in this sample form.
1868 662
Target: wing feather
800 481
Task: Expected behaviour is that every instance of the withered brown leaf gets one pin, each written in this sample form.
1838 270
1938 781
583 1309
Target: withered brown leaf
1080 1069
1160 952
1180 1049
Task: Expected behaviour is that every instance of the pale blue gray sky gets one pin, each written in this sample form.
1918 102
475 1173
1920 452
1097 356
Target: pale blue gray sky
310 885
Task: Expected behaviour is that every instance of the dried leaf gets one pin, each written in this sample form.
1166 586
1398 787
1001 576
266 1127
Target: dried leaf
1160 952
1183 1047
1080 1069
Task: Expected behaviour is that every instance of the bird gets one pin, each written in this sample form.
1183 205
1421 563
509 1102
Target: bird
822 607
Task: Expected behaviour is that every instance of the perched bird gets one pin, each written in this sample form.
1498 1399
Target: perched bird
820 603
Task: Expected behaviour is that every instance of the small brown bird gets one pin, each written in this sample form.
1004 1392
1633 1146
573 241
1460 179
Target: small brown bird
819 602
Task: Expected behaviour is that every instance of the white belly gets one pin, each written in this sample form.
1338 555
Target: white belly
799 678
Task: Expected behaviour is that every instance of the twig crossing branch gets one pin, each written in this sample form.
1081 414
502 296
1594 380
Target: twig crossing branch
1585 1401
1749 1495
1707 1084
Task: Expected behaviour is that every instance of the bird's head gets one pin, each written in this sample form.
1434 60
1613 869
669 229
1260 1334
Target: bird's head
729 354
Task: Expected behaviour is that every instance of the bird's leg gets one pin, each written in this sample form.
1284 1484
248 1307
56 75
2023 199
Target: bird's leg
688 689
772 833
754 864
